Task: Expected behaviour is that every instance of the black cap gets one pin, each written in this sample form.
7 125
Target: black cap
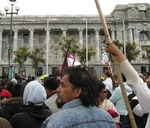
51 82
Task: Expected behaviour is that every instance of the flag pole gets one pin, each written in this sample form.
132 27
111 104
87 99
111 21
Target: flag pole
65 60
116 65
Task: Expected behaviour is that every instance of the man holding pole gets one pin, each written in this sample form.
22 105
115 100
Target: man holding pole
138 86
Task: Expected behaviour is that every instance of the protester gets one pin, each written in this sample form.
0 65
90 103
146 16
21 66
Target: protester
4 123
51 83
139 116
118 101
108 81
78 98
105 104
11 105
33 111
3 93
138 86
11 85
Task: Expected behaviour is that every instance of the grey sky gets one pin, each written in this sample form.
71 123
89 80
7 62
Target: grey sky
66 7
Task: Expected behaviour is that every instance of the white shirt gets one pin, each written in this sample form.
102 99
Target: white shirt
139 87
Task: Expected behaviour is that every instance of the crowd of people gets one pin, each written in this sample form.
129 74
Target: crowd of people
80 99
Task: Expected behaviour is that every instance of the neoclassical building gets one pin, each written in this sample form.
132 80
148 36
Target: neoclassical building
126 23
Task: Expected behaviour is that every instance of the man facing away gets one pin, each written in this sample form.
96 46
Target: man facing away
51 83
78 98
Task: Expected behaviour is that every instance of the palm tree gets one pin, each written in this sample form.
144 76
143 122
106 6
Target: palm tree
75 50
21 56
131 51
118 44
148 53
82 54
36 57
68 42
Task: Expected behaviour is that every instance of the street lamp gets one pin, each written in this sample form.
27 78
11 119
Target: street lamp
47 46
124 41
86 36
6 8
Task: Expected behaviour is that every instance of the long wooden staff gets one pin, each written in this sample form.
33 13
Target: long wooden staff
116 65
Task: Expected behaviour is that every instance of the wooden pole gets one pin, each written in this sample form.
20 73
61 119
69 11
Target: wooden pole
116 65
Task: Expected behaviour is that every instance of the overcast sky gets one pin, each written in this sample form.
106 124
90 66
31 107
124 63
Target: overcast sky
66 7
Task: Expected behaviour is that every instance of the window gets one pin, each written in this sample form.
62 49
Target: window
55 70
143 69
56 55
103 40
72 34
39 71
41 37
25 38
142 14
143 36
133 33
12 40
57 37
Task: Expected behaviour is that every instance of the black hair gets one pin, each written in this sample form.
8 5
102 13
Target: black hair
101 86
51 82
82 78
17 90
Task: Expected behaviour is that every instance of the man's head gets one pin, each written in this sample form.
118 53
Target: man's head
77 82
51 83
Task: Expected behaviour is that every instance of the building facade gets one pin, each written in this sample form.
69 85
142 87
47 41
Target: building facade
126 23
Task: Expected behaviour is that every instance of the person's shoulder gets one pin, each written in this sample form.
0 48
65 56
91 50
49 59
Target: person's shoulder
74 116
117 88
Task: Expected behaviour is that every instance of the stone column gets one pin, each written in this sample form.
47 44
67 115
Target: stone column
47 49
97 45
1 34
80 38
31 39
15 40
47 41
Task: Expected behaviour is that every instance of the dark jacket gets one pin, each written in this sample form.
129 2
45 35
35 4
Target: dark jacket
140 120
10 107
30 116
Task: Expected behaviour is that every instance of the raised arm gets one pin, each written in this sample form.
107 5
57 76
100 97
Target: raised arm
126 68
139 87
115 51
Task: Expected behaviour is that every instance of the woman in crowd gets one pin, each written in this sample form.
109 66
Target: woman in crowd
33 111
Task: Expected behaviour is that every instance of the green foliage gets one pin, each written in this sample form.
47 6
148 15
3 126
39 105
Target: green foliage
118 44
75 50
148 53
70 43
36 57
131 51
82 54
21 56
